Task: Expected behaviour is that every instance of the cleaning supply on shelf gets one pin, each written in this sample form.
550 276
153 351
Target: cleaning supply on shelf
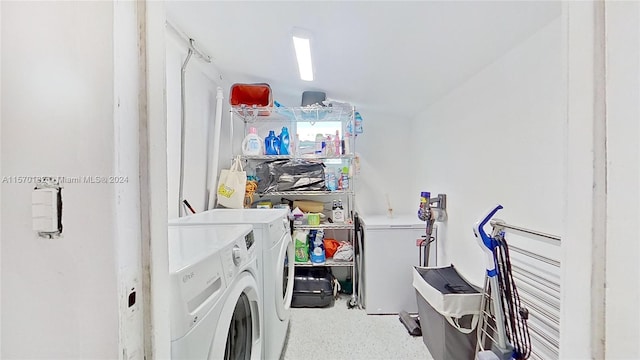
328 149
331 183
298 215
346 146
345 178
337 212
317 256
319 144
252 143
336 144
271 144
358 123
301 245
313 219
284 141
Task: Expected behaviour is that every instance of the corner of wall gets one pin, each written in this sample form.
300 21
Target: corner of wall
1 174
157 329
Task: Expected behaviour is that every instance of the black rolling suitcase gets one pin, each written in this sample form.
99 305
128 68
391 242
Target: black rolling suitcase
312 287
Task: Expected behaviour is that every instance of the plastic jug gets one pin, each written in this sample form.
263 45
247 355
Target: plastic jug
271 144
252 143
284 141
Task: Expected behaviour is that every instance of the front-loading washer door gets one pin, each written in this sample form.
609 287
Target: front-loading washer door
238 334
284 276
239 338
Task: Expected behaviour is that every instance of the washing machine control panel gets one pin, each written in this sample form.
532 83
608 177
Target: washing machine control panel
234 258
237 255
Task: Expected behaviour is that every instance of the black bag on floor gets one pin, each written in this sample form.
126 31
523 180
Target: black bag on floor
312 287
290 175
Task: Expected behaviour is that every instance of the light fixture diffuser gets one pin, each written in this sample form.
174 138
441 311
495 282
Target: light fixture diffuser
302 46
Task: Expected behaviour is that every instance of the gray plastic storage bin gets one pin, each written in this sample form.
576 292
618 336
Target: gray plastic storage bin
449 309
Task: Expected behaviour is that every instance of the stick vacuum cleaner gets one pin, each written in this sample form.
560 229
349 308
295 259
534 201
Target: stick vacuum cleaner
425 213
511 337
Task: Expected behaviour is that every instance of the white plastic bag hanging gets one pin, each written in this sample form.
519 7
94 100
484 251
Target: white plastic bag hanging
344 252
231 185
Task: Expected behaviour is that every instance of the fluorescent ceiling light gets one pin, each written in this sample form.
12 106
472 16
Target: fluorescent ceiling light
303 54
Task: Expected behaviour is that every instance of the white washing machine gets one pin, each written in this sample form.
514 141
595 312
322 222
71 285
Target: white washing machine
273 237
215 306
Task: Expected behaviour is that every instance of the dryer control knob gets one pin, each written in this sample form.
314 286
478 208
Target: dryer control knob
237 255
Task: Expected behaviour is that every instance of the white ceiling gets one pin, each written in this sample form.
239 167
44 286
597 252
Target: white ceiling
391 57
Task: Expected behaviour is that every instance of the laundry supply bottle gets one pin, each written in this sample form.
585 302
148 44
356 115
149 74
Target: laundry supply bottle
331 182
284 141
338 212
328 149
346 146
252 143
271 144
358 123
319 141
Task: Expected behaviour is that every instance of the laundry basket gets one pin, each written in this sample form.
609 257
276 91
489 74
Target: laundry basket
449 308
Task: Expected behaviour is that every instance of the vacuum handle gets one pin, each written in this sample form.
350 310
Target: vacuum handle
486 242
479 228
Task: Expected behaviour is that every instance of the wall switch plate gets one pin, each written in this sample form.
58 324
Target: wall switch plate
46 208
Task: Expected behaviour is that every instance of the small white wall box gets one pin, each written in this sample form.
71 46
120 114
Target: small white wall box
46 208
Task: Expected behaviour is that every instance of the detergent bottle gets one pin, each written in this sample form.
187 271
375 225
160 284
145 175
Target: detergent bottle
252 143
284 141
271 144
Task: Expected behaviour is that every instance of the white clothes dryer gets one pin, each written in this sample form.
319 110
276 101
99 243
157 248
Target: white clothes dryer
215 301
273 237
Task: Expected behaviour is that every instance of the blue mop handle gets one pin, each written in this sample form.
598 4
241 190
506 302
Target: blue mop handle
487 243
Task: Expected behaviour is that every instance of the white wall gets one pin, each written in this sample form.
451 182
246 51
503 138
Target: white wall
202 80
62 91
582 292
385 159
623 180
498 138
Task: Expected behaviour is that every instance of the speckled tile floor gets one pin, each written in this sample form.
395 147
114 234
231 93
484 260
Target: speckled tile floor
339 333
